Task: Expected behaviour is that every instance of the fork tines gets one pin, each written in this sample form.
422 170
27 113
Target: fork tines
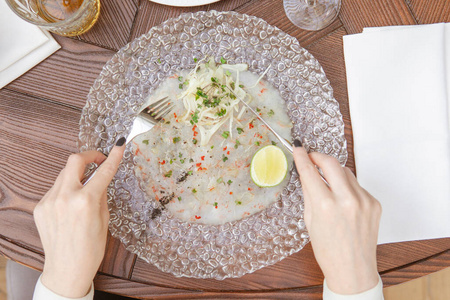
159 108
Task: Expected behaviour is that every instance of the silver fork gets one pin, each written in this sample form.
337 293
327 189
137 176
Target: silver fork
284 142
144 121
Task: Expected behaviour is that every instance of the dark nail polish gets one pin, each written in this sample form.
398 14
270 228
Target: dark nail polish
297 143
121 141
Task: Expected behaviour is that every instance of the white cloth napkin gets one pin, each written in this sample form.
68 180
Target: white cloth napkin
399 93
22 45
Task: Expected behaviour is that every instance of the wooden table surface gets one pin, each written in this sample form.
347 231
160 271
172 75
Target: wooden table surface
40 111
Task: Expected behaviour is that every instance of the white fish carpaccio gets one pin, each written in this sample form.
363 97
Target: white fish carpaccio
210 184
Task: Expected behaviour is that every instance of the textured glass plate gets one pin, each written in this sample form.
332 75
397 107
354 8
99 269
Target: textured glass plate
196 250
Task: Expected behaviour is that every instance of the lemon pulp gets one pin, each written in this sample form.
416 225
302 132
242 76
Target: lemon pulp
269 166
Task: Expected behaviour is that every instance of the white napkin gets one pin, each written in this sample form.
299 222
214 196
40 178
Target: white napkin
22 45
399 93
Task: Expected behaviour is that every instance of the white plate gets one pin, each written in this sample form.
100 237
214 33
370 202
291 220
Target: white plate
183 3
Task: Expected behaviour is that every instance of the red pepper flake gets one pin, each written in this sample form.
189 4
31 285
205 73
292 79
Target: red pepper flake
193 128
216 206
231 193
224 148
202 158
263 90
211 188
195 133
249 189
175 115
228 152
250 125
198 165
198 217
162 162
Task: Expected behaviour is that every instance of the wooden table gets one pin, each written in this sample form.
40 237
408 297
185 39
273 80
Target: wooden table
40 111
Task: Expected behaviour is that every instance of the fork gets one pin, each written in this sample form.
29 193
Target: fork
144 121
284 142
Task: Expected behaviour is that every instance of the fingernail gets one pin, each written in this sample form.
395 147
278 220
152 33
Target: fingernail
121 141
297 143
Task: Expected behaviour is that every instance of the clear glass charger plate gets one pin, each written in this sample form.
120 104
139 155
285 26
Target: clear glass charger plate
197 250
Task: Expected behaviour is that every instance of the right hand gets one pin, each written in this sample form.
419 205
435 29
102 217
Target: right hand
342 220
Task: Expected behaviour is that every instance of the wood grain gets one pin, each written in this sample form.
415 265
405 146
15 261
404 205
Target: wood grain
151 14
295 271
113 27
117 261
430 11
357 14
273 13
145 291
66 76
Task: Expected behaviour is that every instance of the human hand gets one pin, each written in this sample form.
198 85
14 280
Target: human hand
72 221
342 220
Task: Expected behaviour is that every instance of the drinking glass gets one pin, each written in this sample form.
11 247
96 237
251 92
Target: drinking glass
312 14
63 17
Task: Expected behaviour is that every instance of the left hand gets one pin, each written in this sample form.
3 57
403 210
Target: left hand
72 221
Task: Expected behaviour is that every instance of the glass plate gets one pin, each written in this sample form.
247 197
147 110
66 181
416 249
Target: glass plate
196 250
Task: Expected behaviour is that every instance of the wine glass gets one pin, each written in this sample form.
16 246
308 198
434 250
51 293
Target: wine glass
312 14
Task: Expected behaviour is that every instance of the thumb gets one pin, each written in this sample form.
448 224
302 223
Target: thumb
108 168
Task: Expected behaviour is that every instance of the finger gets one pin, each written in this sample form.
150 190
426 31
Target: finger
332 170
107 170
76 164
312 183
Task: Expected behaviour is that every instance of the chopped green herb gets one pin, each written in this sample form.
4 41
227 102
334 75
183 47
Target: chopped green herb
180 78
223 60
229 182
270 113
241 86
182 161
219 180
228 73
180 155
145 142
180 86
224 158
194 190
240 130
190 172
215 203
273 143
212 147
171 161
214 79
159 60
195 59
176 139
168 174
257 143
191 160
237 144
222 112
232 85
194 117
194 141
225 134
200 93
238 202
179 198
258 110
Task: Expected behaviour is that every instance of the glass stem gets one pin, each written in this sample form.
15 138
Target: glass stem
310 2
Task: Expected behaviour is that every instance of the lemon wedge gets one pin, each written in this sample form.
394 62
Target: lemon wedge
269 166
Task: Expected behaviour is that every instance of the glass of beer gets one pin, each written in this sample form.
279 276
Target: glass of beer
63 17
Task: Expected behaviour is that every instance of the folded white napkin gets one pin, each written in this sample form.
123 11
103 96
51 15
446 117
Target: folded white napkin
22 45
399 93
